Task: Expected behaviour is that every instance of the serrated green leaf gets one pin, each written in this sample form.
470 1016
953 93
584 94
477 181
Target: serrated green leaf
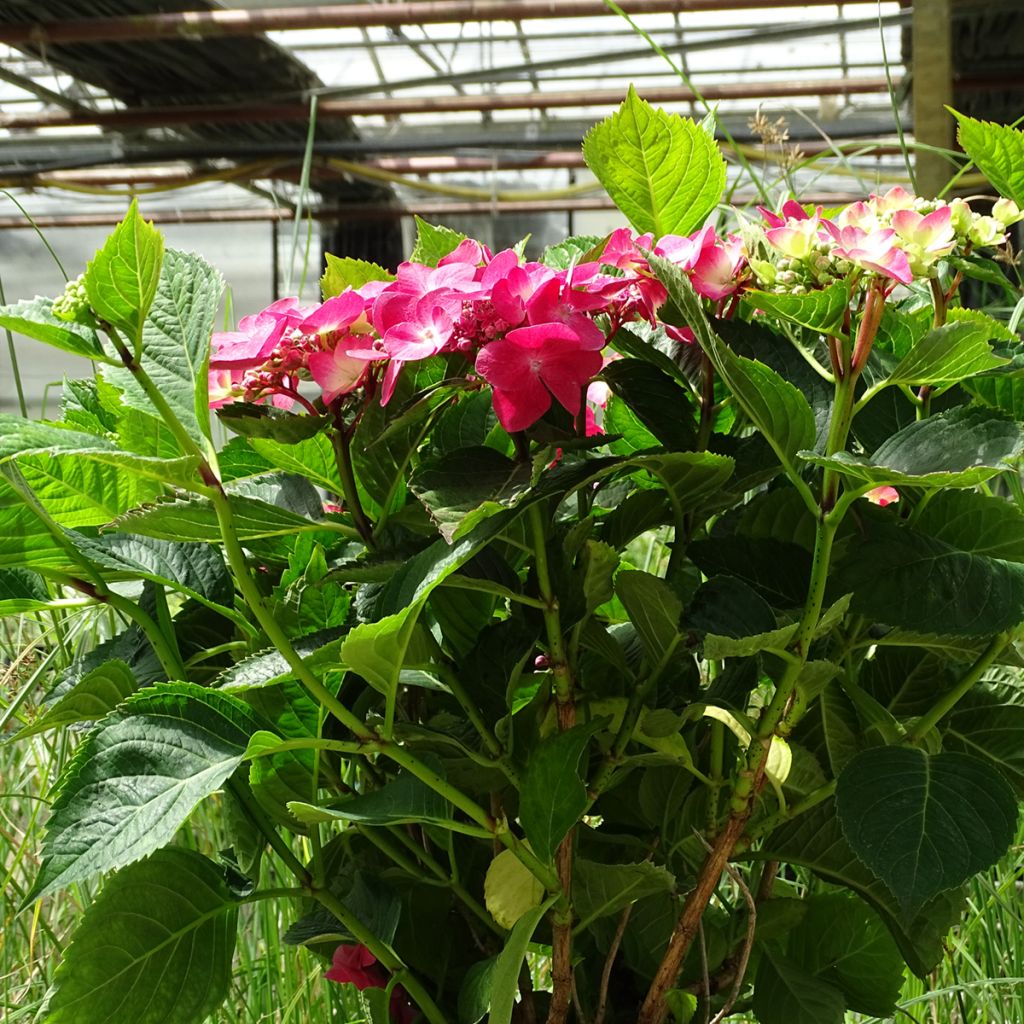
34 318
573 250
924 824
318 650
840 940
960 448
929 586
821 311
343 273
138 778
311 457
657 400
176 343
379 650
989 724
22 591
982 524
947 355
251 420
785 993
121 279
602 889
553 795
653 608
998 150
155 947
433 242
661 170
96 694
197 570
815 840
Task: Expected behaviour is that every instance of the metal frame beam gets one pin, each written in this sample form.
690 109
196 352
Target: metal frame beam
207 24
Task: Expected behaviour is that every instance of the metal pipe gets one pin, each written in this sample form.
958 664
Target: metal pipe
352 212
207 24
148 117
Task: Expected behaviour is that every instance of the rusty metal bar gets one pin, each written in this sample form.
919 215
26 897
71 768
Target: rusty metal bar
139 117
353 212
195 25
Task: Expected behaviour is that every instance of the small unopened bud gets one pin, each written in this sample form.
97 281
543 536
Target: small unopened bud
541 662
1007 212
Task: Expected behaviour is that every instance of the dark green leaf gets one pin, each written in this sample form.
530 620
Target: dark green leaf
979 523
505 976
21 591
656 400
155 947
553 795
475 991
924 823
602 889
929 586
947 355
785 993
989 725
653 608
96 694
662 170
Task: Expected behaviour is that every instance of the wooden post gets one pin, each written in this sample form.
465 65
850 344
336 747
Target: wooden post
932 91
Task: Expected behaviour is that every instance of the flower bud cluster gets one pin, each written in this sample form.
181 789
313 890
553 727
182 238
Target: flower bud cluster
73 303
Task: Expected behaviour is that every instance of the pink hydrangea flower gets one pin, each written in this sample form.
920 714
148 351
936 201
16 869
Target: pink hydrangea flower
926 238
530 365
876 251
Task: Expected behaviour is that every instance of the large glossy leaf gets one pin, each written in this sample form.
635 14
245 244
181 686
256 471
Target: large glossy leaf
553 794
947 354
998 150
924 823
815 840
155 947
664 172
121 279
928 585
138 777
176 343
34 318
961 448
822 310
91 698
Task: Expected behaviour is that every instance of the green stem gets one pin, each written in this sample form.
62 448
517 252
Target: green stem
949 700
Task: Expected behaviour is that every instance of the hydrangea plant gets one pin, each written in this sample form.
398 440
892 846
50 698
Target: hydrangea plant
621 635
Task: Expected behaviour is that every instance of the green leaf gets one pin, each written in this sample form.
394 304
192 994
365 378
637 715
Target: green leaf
433 242
475 991
654 610
602 889
197 570
22 591
195 519
34 318
311 457
96 694
959 448
821 311
947 355
20 438
777 408
404 800
457 484
929 586
379 650
998 150
924 823
317 650
510 889
155 947
79 492
176 343
657 400
989 724
251 420
982 524
505 976
575 249
1003 391
138 777
840 940
121 279
691 479
343 273
784 993
661 170
553 795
